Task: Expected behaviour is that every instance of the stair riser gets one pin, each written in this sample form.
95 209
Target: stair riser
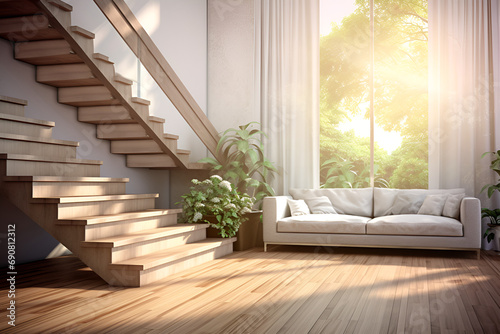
150 161
121 131
85 43
38 168
160 272
128 226
141 146
86 96
63 16
62 189
124 89
151 246
46 53
157 127
104 115
135 147
33 148
107 69
66 75
32 130
75 210
11 108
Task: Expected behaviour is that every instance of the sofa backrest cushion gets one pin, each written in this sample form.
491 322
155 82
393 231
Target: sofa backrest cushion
383 198
357 201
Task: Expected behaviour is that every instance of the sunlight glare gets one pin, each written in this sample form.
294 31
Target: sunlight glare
388 140
333 11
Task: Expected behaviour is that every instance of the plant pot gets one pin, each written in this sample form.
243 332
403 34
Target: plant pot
496 239
249 235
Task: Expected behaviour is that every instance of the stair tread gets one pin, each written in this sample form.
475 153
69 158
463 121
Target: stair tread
39 139
9 156
102 57
156 119
65 179
91 220
22 119
181 151
170 136
149 261
13 100
144 235
141 101
82 32
100 198
122 79
61 5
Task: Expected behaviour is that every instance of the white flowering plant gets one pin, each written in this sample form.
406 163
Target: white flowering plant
216 201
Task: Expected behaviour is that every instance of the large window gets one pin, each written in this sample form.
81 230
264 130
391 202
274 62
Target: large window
374 93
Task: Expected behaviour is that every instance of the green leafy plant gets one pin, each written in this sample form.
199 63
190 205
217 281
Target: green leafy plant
218 198
494 220
242 161
492 215
495 166
341 173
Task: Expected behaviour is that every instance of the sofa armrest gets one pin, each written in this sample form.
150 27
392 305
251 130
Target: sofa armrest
470 216
274 208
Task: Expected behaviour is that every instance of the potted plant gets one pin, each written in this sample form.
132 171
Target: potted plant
493 230
215 201
243 163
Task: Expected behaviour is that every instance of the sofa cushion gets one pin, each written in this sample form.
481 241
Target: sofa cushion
327 223
452 206
320 205
357 201
383 198
433 205
298 207
407 203
415 225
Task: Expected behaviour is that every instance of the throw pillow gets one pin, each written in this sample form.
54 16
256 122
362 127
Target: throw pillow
320 205
298 207
433 205
407 203
452 205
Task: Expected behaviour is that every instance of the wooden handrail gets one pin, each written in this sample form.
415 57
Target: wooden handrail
132 32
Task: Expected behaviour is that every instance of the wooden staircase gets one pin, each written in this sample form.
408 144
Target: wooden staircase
64 58
122 237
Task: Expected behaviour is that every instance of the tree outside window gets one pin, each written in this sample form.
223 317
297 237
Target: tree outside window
400 94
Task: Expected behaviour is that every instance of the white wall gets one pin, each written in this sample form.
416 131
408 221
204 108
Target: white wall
179 30
232 99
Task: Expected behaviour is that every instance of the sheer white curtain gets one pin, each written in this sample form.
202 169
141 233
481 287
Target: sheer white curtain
464 93
288 44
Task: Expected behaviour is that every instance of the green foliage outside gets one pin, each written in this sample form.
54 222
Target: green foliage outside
400 95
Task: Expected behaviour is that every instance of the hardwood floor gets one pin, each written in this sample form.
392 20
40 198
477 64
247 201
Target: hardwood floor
286 290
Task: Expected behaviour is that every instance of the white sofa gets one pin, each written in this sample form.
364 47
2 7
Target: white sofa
377 217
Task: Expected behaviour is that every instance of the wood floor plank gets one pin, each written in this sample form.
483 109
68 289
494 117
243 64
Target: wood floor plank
289 289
